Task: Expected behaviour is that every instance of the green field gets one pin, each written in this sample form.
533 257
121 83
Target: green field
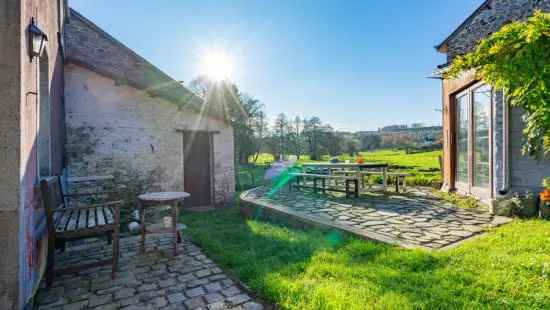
423 166
509 268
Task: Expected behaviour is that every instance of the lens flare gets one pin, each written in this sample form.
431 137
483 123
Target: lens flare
217 65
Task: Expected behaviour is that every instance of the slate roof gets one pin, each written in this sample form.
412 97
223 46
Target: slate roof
89 46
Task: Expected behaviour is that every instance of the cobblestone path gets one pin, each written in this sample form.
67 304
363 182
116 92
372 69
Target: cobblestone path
154 280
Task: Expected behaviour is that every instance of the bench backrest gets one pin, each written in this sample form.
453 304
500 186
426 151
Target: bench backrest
52 199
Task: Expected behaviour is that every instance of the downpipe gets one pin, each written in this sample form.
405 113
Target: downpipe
505 188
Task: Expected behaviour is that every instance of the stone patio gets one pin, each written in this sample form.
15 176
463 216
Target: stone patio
415 219
154 280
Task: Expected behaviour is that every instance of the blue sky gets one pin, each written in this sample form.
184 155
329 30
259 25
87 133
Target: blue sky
357 65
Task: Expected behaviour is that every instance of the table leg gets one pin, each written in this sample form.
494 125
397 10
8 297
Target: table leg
314 185
397 184
175 226
142 226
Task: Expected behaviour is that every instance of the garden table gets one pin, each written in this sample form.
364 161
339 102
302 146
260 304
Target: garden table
161 199
358 166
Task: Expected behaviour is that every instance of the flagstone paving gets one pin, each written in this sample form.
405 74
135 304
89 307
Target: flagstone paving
417 219
154 280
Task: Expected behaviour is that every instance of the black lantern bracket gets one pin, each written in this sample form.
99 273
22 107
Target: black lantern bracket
37 40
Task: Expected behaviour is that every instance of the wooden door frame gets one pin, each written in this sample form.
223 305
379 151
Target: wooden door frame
211 134
460 186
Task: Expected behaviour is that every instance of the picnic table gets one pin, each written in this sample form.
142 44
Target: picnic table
359 167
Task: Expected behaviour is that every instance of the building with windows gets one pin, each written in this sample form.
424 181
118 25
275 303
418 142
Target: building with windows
482 134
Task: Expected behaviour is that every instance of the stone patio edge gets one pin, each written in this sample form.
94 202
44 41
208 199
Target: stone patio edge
249 207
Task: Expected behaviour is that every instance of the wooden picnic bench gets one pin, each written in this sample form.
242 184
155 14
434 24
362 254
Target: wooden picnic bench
399 176
323 177
70 221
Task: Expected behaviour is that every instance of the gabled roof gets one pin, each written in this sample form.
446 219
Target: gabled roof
441 47
89 46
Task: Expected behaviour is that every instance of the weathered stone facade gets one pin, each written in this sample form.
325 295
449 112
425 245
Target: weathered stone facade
511 171
123 132
138 145
488 19
125 116
30 89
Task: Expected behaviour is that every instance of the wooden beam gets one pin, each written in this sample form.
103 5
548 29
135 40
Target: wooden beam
197 130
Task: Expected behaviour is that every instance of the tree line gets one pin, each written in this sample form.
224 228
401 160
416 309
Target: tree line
254 134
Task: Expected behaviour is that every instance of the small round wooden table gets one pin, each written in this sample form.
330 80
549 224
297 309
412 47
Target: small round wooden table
158 199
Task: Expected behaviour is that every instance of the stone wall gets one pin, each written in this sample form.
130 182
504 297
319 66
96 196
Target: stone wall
489 20
22 221
10 118
121 131
526 172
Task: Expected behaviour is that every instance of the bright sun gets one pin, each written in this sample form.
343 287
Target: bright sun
217 65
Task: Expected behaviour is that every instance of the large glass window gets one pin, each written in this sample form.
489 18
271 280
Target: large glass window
482 113
473 130
462 138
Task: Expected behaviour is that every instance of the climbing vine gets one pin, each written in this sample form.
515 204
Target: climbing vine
516 59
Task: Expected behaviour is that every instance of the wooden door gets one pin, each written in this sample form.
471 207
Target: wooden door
197 167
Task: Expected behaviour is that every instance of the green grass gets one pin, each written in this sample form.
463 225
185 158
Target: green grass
508 268
421 160
423 166
466 202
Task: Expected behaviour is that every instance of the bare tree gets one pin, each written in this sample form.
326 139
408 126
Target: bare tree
201 85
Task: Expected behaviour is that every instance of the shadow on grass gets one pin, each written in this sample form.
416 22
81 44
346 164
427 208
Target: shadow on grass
310 268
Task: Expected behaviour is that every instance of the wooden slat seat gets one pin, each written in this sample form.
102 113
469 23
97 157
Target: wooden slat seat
68 221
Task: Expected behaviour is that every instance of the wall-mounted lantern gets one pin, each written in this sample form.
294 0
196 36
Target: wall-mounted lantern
37 40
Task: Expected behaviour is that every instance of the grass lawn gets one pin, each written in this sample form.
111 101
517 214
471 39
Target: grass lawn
311 269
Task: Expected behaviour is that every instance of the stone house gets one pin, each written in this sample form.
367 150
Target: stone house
482 134
92 110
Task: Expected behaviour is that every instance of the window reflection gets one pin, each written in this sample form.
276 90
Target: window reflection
462 139
482 112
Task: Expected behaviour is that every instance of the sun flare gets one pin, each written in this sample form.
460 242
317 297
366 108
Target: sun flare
217 65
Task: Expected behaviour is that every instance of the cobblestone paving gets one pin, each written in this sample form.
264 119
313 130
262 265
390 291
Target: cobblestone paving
154 280
415 219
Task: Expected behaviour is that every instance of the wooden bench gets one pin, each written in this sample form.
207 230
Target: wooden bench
399 176
67 222
323 177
